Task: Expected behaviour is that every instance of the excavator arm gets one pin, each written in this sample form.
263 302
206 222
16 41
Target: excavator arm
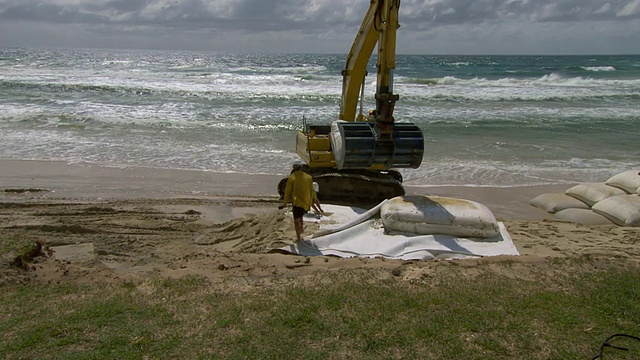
385 98
356 69
375 141
379 26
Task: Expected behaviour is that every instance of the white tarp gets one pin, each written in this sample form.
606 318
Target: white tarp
353 232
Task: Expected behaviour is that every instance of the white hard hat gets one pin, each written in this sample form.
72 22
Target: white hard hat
316 187
297 164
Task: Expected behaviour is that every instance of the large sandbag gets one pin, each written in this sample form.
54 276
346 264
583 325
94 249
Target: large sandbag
623 210
582 216
591 193
629 181
554 202
431 215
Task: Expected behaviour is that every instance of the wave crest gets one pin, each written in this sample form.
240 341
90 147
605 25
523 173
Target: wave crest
598 68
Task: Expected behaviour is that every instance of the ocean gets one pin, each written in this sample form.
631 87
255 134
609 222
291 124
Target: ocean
488 120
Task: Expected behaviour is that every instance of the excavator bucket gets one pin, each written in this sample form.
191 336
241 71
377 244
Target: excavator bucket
356 145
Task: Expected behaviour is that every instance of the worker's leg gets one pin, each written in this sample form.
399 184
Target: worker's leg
298 213
298 225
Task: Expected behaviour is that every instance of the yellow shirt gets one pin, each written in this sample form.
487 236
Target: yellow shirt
299 190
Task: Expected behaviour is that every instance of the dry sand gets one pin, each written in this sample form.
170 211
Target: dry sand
105 224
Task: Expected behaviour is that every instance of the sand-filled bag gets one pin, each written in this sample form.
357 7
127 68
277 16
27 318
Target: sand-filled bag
623 210
591 193
582 216
431 215
629 181
554 202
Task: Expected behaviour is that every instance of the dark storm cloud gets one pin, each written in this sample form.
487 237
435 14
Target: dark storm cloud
294 14
477 11
248 14
43 12
293 24
125 6
252 15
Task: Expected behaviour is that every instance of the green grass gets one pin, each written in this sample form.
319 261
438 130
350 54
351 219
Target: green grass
487 317
15 245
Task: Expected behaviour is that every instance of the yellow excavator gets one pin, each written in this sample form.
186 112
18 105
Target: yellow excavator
352 159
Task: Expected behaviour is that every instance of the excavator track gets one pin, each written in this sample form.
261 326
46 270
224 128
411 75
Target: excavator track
353 187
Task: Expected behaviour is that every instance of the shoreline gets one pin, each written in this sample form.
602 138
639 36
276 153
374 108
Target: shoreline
94 182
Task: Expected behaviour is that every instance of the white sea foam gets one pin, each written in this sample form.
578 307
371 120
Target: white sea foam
459 63
599 68
284 69
547 80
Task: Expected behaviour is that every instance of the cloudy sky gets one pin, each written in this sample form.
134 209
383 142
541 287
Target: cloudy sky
325 26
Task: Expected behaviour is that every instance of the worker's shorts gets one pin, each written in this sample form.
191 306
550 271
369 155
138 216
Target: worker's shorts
298 212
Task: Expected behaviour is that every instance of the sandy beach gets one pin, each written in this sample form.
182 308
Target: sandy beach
110 224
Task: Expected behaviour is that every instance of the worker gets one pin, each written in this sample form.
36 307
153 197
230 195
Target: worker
299 192
315 204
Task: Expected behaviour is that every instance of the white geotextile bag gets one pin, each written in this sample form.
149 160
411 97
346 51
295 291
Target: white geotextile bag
432 215
591 193
623 210
554 202
628 181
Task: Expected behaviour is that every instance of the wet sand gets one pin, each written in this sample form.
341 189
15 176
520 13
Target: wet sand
87 181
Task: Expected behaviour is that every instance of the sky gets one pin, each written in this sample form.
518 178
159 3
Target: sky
430 27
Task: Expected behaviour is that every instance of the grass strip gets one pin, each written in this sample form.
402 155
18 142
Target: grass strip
566 316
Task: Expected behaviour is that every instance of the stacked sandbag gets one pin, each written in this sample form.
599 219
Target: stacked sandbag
614 201
623 210
629 181
555 202
591 193
582 216
575 203
436 215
